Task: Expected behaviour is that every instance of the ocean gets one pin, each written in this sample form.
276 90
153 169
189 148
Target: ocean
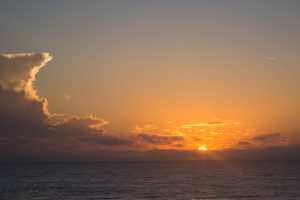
151 180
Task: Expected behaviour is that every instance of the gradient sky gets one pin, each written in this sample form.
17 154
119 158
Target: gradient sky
219 73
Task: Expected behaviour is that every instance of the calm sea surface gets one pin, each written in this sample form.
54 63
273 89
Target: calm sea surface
151 180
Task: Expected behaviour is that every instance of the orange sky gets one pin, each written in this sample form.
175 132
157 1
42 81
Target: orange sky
152 75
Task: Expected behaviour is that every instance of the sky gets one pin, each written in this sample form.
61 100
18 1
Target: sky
137 79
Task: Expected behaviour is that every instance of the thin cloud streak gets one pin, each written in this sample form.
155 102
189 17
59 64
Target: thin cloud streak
210 124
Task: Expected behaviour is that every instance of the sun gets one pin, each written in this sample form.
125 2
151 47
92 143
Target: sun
202 148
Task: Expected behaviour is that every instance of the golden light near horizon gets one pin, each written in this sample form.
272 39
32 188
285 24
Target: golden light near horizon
202 148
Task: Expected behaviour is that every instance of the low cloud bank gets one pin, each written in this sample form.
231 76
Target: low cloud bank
274 153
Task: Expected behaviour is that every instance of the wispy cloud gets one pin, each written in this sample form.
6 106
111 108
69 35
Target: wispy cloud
210 124
160 139
67 96
271 58
266 137
144 128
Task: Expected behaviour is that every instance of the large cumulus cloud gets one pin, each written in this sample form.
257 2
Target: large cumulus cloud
23 113
18 71
25 120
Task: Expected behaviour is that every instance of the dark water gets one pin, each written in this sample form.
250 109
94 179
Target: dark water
152 180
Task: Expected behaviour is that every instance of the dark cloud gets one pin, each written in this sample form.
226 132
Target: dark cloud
106 140
21 116
25 122
266 138
179 145
272 153
197 138
267 153
76 126
243 143
87 130
159 139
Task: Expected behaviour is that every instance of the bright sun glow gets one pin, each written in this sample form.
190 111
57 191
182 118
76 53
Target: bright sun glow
202 148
